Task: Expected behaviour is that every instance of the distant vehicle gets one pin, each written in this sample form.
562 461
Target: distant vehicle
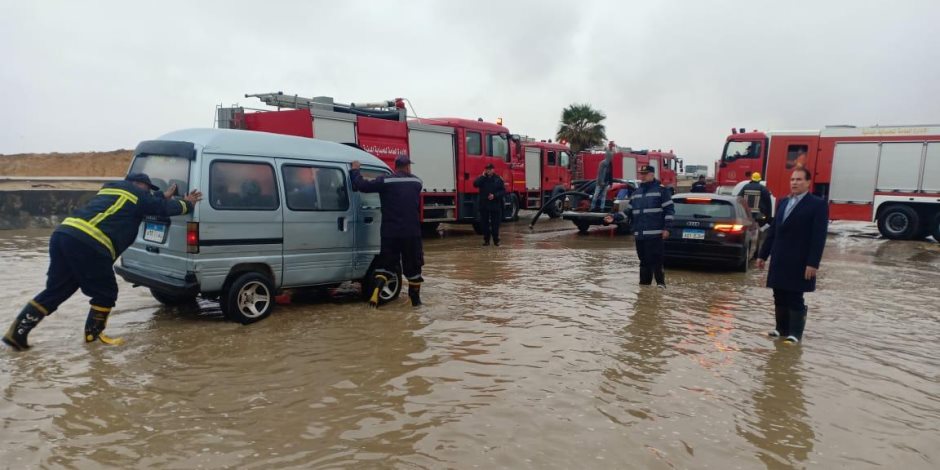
696 170
279 213
710 229
619 193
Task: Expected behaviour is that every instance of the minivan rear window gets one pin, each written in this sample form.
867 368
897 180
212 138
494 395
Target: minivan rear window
704 207
164 170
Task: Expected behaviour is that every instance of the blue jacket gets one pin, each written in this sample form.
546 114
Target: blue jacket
110 221
652 210
796 243
400 194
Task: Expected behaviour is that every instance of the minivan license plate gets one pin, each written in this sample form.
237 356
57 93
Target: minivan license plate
693 234
154 232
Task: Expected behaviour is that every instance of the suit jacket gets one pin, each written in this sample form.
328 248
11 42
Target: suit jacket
796 243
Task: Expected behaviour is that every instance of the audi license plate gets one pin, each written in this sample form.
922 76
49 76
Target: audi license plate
154 232
693 234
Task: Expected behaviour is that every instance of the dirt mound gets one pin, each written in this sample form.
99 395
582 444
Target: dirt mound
114 163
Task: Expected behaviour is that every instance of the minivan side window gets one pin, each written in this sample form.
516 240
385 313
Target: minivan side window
474 143
242 186
309 188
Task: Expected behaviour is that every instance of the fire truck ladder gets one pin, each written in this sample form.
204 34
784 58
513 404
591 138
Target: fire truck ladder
383 109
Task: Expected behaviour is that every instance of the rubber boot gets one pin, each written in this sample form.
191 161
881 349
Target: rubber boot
414 293
646 276
378 285
781 322
660 276
95 324
29 317
797 321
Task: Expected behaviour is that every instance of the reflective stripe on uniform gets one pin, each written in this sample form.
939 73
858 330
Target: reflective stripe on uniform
39 307
91 231
403 179
652 210
185 207
101 309
652 232
116 206
667 203
669 217
118 192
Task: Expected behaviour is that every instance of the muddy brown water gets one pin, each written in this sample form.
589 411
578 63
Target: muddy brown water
542 353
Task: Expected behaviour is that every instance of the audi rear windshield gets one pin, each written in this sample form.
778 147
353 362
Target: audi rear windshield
706 208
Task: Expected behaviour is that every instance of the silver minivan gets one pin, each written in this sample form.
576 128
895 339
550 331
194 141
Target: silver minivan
278 213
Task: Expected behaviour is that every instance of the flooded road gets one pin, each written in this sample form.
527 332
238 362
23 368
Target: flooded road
542 353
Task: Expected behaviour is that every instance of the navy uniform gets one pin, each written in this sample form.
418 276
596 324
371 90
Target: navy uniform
700 186
400 194
653 211
82 251
490 210
764 201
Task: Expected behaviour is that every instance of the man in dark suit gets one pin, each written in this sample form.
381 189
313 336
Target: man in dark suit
795 243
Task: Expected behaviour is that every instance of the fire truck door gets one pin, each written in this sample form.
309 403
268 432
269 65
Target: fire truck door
787 153
533 167
629 168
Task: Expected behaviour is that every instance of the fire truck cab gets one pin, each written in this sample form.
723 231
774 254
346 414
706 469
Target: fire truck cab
541 173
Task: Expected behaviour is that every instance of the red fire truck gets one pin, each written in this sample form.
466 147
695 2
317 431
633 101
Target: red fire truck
884 174
541 170
449 153
626 161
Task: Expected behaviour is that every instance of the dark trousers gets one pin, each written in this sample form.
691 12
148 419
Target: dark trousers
73 265
650 252
489 223
789 313
407 252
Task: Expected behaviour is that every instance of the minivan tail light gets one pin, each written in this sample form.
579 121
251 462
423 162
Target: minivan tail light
192 237
729 228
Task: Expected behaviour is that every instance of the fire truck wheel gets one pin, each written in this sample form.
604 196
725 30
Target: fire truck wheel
512 209
935 227
899 223
554 211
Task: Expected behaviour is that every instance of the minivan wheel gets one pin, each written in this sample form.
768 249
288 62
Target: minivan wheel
389 293
172 300
249 298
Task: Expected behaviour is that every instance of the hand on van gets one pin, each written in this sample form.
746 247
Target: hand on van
194 196
355 165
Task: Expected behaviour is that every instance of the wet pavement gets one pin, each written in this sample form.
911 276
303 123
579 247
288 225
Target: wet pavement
542 353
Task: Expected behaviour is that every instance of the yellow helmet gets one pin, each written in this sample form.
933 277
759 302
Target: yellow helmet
755 176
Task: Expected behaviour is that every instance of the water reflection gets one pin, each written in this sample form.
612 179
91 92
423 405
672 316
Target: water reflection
780 427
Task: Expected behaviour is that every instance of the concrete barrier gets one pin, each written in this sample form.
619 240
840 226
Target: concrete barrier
39 208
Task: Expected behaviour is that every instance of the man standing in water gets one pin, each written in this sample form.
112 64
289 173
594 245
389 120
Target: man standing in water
492 190
795 242
653 211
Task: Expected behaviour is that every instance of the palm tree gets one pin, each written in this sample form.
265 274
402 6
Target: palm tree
581 127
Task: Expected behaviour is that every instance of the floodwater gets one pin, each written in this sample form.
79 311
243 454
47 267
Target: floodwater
542 353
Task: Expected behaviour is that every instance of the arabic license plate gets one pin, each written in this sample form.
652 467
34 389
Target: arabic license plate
154 232
693 234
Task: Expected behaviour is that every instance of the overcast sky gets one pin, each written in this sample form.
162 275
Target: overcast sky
102 75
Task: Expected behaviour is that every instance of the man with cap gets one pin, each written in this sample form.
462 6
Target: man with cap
763 200
700 186
83 248
490 204
652 209
400 194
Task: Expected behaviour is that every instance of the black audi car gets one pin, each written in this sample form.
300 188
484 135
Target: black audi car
711 230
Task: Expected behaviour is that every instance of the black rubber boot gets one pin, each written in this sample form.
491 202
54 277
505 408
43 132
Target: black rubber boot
797 322
16 336
414 293
646 276
781 320
95 324
378 284
660 276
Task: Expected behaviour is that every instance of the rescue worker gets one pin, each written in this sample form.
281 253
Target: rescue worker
400 194
490 204
764 204
699 186
652 209
83 248
604 178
